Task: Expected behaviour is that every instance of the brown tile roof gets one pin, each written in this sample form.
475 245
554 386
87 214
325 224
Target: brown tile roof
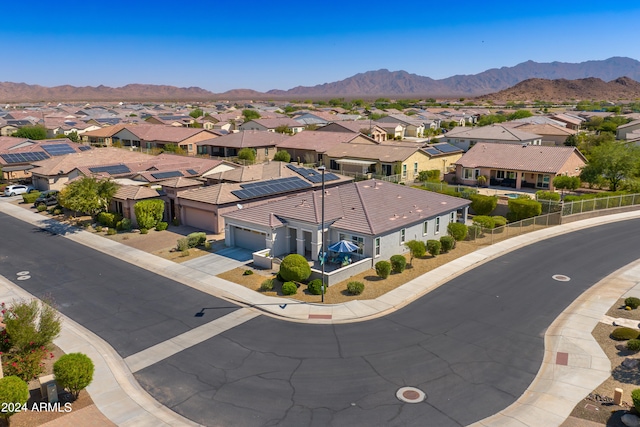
530 158
492 132
317 141
133 192
106 132
275 122
180 182
93 157
247 138
381 152
546 129
367 207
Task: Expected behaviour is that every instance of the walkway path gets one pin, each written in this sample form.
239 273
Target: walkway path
573 365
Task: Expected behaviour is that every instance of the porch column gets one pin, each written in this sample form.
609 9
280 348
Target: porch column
518 179
269 240
316 245
228 235
300 242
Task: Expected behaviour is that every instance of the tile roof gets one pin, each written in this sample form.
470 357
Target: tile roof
132 192
367 207
275 122
164 133
180 182
106 132
247 138
318 141
530 158
381 152
492 132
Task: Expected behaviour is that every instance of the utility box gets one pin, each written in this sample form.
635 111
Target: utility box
48 388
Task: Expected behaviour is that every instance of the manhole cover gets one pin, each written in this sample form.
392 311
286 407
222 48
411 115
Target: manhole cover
410 395
560 277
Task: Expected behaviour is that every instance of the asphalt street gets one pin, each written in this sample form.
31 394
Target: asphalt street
473 345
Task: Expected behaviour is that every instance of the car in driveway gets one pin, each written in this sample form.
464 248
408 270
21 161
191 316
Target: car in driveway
47 198
15 189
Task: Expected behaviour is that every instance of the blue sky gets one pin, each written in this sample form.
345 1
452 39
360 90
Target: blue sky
264 45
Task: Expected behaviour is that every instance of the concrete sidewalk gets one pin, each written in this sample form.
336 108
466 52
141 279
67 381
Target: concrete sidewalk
548 401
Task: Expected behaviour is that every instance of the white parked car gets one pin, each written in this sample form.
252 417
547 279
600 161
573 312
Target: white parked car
13 190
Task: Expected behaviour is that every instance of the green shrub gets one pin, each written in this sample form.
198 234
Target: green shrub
398 263
25 365
434 246
475 232
57 211
632 302
295 268
247 273
41 208
282 156
458 231
355 288
30 325
15 392
289 288
499 221
315 287
447 243
161 226
266 285
109 219
383 269
484 221
124 225
74 372
99 228
185 253
183 244
633 344
635 397
196 239
520 209
144 231
623 334
417 248
247 154
112 231
547 195
483 205
149 212
207 245
30 198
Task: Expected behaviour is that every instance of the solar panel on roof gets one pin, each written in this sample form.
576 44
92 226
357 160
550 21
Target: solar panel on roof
32 156
165 175
313 175
84 148
111 170
192 172
265 188
58 149
446 148
432 151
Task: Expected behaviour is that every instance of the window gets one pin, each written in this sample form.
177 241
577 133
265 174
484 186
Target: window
403 235
386 170
355 239
425 228
415 168
333 165
453 217
377 248
468 173
438 225
500 174
404 171
266 152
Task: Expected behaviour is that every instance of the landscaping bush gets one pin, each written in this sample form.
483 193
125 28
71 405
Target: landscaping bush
161 226
247 154
25 365
41 208
74 372
15 393
185 253
149 212
207 245
483 205
458 231
635 397
99 228
57 211
144 231
247 273
282 156
315 287
398 263
383 269
266 285
434 246
447 243
183 244
520 209
107 219
30 198
30 325
295 268
196 239
632 302
355 288
112 231
124 225
475 232
484 221
547 195
623 334
417 249
633 344
499 221
289 288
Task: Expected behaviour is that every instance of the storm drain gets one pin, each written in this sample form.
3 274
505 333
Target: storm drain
560 277
410 395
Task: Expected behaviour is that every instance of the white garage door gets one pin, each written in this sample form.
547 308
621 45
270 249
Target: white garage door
249 239
198 218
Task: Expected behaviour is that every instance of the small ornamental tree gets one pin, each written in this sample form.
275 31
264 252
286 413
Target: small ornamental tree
434 246
74 372
247 154
14 394
563 182
31 325
294 268
416 249
483 205
458 231
282 156
149 212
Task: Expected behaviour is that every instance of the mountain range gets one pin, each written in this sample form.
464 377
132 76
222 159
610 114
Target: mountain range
363 85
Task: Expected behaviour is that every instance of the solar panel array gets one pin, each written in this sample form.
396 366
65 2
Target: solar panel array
432 151
165 175
446 148
58 149
313 175
111 170
266 188
33 156
192 172
84 148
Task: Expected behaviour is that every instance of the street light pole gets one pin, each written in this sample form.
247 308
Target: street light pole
323 253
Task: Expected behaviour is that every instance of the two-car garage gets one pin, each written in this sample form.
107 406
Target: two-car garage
248 239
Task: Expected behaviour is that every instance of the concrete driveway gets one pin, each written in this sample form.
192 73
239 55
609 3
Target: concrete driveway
221 261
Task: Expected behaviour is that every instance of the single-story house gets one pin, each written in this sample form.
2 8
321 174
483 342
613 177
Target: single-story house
551 134
366 127
127 196
262 142
310 146
465 138
379 217
518 166
623 131
412 127
270 125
